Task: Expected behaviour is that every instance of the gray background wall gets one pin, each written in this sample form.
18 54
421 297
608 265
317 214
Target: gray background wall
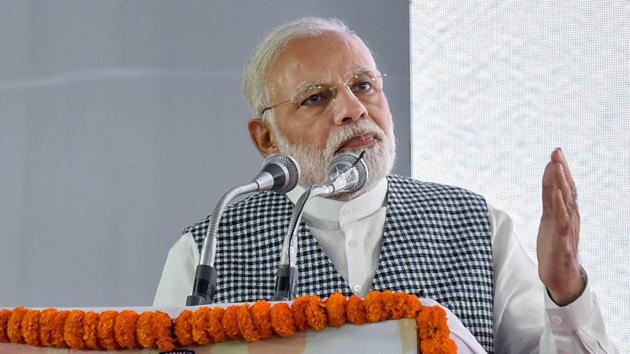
122 122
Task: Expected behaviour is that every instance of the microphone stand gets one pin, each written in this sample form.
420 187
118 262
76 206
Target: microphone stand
286 278
205 284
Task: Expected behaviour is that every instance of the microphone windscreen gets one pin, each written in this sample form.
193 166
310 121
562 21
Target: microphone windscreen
285 171
342 162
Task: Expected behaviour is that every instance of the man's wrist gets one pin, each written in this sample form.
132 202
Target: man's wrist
564 297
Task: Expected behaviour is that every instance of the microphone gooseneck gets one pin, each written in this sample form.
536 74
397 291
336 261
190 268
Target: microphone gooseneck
279 173
347 173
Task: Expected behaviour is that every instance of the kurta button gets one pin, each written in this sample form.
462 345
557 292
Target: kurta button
556 320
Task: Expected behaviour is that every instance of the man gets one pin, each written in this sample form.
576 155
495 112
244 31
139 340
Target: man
317 92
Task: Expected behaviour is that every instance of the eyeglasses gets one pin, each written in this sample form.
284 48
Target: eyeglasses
314 98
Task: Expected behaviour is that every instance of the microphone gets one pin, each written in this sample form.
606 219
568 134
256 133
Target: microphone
347 173
279 173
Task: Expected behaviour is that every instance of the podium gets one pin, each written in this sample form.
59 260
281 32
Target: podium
383 337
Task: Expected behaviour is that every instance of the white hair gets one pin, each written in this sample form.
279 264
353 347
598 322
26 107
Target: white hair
254 83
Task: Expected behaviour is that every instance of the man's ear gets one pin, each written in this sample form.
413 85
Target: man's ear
261 136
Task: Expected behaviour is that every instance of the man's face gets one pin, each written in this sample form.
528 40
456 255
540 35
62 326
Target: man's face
313 132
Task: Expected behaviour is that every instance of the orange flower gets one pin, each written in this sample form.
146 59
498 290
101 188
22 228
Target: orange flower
246 324
59 324
412 305
125 329
200 319
261 315
375 312
73 330
105 330
336 309
14 327
183 328
90 325
431 322
356 310
299 312
144 330
215 327
438 345
30 327
282 320
4 320
46 325
230 323
316 313
393 305
162 324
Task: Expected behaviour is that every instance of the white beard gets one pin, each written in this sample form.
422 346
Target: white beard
314 162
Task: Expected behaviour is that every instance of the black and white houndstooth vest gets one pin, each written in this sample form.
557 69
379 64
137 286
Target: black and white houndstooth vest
436 244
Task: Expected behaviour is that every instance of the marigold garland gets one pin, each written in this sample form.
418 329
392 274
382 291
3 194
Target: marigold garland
105 330
230 323
356 310
183 328
111 330
14 327
282 320
298 308
200 319
46 323
215 326
58 327
90 326
4 319
162 325
73 329
30 327
336 310
261 316
316 313
144 330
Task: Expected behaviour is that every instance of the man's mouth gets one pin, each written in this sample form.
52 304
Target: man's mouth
359 142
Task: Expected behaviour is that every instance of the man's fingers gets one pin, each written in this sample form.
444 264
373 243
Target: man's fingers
559 156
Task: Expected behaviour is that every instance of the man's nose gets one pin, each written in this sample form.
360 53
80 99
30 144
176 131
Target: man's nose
347 107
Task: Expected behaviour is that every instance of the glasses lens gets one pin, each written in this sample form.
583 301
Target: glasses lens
366 86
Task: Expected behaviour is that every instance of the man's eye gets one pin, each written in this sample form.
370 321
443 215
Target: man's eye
364 86
314 99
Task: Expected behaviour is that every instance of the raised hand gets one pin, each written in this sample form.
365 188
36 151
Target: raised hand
559 233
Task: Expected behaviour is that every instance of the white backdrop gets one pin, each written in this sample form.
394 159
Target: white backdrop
496 85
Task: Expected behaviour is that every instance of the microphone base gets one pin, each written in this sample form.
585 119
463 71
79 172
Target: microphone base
204 287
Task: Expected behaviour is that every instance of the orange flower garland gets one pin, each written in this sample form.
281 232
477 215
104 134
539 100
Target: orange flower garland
105 330
336 310
356 311
111 330
261 316
46 323
162 325
30 327
14 327
282 320
183 328
73 329
4 319
90 323
200 320
58 327
215 326
144 330
230 323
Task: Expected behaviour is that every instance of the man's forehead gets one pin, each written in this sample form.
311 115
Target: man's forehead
328 57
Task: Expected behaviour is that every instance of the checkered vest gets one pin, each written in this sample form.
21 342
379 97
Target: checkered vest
436 244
